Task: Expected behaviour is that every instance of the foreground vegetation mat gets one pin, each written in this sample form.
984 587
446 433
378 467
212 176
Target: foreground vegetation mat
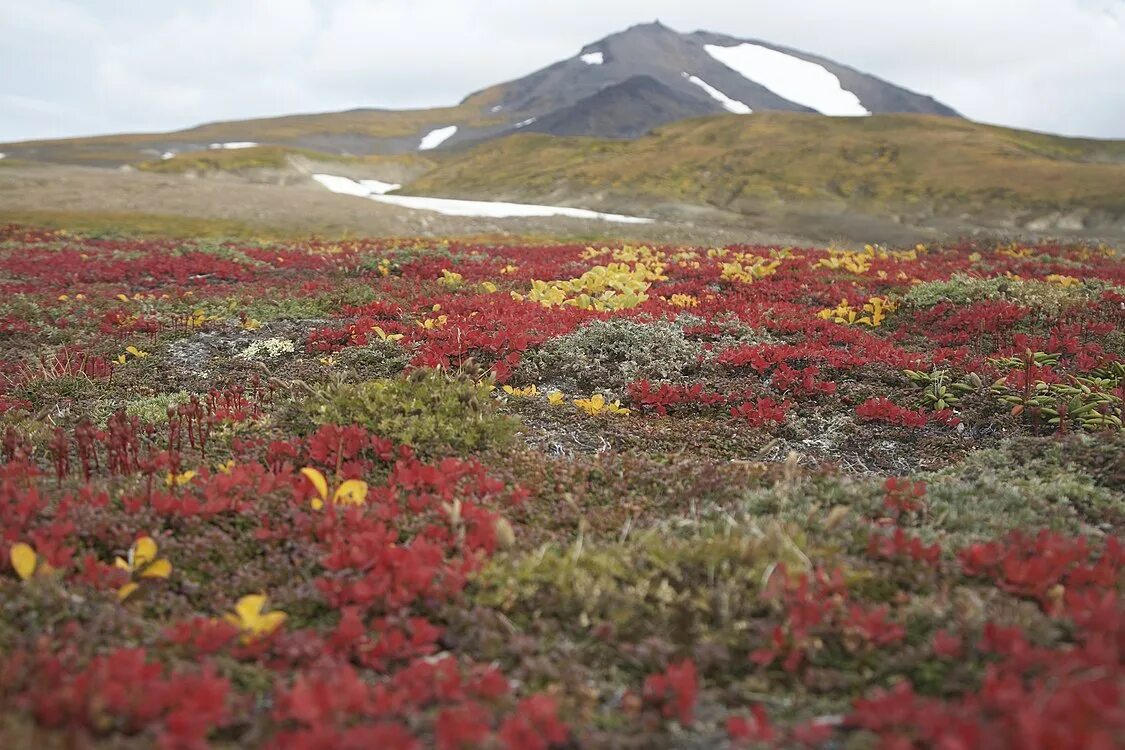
400 494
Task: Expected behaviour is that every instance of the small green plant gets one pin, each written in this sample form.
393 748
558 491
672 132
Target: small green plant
940 391
435 413
379 359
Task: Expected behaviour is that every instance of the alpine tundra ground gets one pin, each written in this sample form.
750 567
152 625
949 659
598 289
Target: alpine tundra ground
400 494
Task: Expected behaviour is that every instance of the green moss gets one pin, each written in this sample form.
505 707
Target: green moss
962 289
612 353
154 409
380 359
435 413
687 588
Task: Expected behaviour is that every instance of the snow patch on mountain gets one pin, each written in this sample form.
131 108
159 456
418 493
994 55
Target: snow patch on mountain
525 123
233 145
379 187
453 207
731 105
436 137
592 58
792 78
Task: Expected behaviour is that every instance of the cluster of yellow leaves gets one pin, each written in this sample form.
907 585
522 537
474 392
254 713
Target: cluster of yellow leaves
138 297
1063 281
526 392
351 492
249 617
749 268
251 324
873 313
611 287
450 279
430 323
555 398
66 297
1015 251
384 336
509 269
137 354
178 480
489 287
682 300
597 404
141 562
859 262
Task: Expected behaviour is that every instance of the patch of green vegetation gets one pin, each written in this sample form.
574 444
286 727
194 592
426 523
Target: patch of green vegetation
990 493
961 289
699 586
312 307
612 353
379 359
154 409
435 413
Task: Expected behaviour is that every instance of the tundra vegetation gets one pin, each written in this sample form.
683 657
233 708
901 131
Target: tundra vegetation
394 493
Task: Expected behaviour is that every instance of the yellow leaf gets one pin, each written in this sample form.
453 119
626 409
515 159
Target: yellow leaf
250 607
319 483
317 503
124 592
23 559
555 398
159 569
269 622
143 552
351 492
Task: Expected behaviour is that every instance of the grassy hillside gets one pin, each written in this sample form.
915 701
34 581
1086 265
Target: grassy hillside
279 157
732 162
354 125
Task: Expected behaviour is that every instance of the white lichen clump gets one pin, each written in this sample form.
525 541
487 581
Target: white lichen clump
267 349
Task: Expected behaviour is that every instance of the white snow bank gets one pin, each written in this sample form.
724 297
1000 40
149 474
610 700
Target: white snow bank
167 155
792 78
435 138
498 209
379 187
731 105
525 123
452 207
3 156
497 108
592 58
233 144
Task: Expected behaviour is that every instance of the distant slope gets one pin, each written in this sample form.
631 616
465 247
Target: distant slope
883 162
618 87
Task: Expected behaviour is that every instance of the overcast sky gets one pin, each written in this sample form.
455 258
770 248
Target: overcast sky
75 67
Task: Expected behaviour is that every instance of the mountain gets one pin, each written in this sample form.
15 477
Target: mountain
647 75
619 87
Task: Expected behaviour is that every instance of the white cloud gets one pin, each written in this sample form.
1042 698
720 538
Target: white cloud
106 66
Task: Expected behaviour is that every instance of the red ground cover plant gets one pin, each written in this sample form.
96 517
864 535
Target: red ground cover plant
867 496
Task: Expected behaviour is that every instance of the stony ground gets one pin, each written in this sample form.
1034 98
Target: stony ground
415 493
